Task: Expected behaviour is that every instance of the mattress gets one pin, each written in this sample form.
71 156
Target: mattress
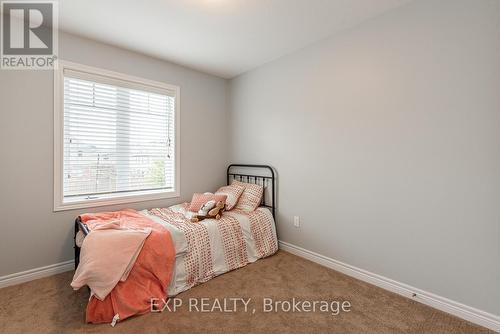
213 247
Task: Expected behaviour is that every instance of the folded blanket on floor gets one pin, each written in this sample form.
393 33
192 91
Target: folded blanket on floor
140 256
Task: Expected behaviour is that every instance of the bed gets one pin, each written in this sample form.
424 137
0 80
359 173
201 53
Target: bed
212 247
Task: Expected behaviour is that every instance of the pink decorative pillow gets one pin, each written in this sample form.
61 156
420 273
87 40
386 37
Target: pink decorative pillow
233 193
199 199
251 197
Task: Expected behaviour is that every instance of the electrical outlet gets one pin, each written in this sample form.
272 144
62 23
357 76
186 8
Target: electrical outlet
296 221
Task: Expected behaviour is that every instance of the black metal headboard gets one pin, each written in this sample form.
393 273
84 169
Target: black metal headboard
256 174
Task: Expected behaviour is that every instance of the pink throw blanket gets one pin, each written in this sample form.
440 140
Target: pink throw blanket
126 260
101 265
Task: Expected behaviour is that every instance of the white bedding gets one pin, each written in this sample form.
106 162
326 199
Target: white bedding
258 234
178 237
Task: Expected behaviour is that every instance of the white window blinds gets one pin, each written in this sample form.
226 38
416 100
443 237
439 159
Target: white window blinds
118 138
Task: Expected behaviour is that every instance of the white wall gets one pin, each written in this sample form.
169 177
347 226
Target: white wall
31 235
386 139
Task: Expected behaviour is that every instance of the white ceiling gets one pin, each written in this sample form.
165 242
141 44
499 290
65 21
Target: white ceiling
221 37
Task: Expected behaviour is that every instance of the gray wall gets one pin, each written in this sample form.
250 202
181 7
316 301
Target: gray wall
31 235
386 139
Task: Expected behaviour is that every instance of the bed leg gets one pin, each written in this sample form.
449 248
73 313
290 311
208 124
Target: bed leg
76 248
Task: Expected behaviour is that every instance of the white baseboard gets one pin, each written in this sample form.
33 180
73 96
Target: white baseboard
465 312
32 274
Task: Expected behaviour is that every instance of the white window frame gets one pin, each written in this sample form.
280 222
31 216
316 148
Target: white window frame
59 204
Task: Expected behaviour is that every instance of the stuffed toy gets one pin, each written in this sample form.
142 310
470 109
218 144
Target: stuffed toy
210 209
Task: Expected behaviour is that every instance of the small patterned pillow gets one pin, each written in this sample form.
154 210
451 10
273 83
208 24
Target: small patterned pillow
199 199
233 193
251 197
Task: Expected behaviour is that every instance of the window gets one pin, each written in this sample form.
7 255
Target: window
116 138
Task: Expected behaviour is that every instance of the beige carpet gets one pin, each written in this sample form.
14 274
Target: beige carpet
49 305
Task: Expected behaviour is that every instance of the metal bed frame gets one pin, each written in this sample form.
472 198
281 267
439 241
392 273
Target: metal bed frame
266 181
266 178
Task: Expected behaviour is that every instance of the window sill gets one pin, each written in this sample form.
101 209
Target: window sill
97 202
